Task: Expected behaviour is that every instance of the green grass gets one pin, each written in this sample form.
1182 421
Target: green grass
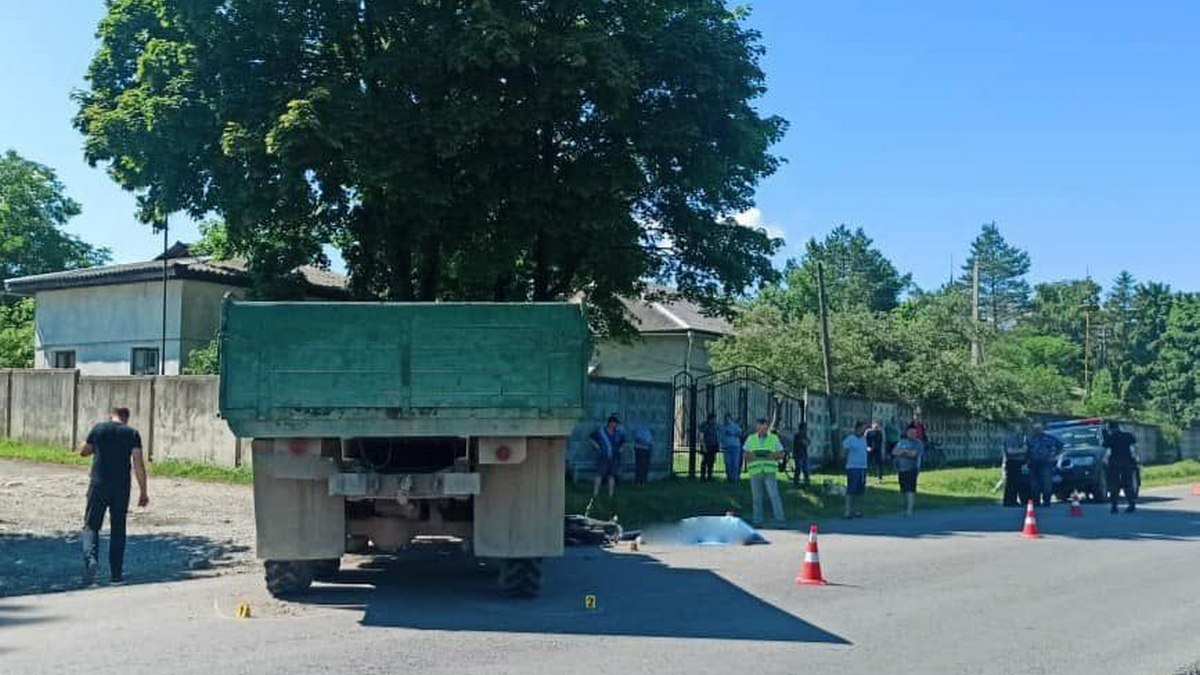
1186 471
10 449
679 498
169 468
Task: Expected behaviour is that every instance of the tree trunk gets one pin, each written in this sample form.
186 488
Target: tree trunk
431 268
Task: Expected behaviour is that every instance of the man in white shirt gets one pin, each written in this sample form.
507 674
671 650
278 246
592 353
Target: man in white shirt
855 447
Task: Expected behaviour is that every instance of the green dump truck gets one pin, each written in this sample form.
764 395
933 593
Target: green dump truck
378 425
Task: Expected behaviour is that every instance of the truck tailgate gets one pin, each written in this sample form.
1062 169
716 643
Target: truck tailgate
322 369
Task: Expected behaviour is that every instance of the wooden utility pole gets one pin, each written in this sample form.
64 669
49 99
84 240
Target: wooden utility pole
1087 349
1087 308
827 353
976 348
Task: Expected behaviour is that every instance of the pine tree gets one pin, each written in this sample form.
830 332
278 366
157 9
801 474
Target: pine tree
1003 290
1120 317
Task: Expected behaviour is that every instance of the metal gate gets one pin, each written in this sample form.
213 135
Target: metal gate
744 393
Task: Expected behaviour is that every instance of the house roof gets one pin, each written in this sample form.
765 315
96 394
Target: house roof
674 316
180 264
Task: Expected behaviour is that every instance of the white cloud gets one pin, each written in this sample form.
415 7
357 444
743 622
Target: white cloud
753 218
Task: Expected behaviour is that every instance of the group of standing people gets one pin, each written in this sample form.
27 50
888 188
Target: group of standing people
1030 457
607 441
1029 466
872 445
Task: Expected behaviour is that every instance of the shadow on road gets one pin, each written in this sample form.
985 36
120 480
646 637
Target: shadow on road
635 596
1158 518
45 564
14 615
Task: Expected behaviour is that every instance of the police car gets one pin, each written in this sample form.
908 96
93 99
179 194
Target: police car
1080 466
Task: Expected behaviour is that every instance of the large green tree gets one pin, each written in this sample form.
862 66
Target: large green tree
1069 310
918 353
34 207
1120 322
857 274
1152 306
1176 386
518 150
1003 289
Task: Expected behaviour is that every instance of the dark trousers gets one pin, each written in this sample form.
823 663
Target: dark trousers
114 499
1016 484
876 458
1120 478
800 459
708 460
641 465
1041 474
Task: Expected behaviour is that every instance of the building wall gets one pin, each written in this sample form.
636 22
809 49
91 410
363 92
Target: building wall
653 358
103 324
202 313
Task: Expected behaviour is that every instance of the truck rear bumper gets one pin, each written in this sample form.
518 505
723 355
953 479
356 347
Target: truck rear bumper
403 486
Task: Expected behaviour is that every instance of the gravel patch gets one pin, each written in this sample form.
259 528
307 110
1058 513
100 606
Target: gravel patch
190 529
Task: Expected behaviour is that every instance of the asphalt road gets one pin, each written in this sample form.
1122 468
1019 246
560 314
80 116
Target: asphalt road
946 592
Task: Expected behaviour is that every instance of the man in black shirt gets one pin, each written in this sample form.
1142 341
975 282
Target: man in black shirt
1120 465
112 446
874 438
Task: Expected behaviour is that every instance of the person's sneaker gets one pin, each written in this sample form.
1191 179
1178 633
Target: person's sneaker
1131 509
89 572
118 579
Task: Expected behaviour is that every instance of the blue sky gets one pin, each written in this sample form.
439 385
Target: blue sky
1074 125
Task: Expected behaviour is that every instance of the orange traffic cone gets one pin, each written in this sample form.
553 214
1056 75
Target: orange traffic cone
1031 528
1076 509
810 571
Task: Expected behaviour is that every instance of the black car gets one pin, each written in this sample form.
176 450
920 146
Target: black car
1080 467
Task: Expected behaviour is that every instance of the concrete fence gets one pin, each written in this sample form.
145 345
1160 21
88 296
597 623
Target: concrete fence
964 441
176 416
638 404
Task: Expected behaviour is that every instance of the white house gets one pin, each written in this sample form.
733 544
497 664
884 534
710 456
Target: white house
673 337
111 320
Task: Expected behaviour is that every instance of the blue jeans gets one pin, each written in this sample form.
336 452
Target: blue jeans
1041 474
733 464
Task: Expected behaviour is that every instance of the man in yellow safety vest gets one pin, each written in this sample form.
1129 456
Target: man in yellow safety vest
763 451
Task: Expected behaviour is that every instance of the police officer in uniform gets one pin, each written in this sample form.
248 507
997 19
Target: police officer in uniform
1120 465
1016 470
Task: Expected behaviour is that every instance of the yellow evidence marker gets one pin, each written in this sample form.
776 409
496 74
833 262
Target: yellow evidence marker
589 602
243 610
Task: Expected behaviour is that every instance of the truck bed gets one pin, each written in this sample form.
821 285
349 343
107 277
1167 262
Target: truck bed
344 369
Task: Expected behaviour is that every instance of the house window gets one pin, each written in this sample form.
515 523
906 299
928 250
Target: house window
63 359
144 361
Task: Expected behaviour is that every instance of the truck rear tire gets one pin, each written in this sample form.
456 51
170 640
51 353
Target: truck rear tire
288 578
521 577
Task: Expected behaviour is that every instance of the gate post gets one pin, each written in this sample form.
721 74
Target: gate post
692 430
